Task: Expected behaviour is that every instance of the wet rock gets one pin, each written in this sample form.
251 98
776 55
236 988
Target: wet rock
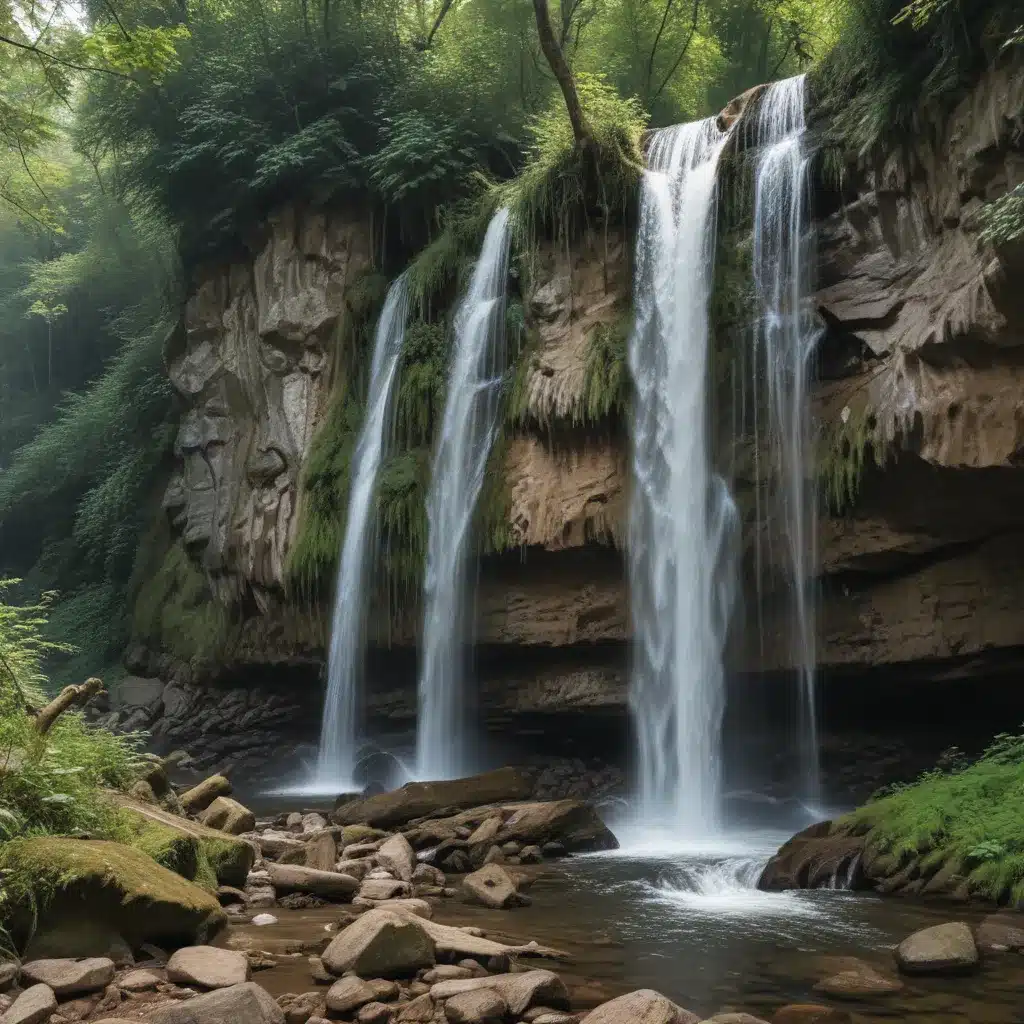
858 981
318 972
383 889
198 798
70 977
397 856
1000 932
553 850
448 972
518 991
247 1002
419 1011
322 852
381 943
208 967
375 1013
491 886
733 1018
427 874
530 855
574 824
455 862
812 858
276 844
411 905
34 1006
329 885
312 822
645 1006
483 1006
348 994
10 972
485 832
262 920
227 815
941 949
810 1013
356 868
139 981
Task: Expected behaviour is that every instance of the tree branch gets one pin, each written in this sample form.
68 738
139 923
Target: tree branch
446 6
563 75
683 52
62 61
67 697
654 45
113 13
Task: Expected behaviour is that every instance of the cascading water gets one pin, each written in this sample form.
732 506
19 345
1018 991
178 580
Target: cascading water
467 433
336 759
785 339
682 517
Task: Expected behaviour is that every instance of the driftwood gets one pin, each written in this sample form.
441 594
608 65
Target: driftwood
68 697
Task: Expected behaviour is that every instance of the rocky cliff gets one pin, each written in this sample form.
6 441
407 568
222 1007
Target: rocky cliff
921 367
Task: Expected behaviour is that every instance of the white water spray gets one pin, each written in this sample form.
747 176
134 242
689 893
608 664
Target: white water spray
337 757
682 519
467 434
784 347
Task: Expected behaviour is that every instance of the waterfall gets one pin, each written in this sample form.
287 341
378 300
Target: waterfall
683 520
336 761
467 432
785 338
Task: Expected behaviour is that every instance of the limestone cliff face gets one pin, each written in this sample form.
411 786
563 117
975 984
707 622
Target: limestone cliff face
254 368
924 353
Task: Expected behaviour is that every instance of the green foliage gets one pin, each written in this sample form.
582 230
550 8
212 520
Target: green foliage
842 457
419 396
971 815
1002 221
50 783
608 385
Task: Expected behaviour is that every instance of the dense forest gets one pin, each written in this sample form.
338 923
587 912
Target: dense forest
143 140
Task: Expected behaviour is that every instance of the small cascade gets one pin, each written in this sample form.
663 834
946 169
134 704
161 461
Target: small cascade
682 518
467 433
337 756
785 339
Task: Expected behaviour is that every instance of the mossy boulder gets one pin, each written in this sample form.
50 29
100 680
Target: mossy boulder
193 850
59 881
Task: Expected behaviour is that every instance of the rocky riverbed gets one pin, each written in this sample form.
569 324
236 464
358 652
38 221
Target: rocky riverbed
462 902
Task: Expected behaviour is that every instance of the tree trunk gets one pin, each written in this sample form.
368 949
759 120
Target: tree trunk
67 697
563 75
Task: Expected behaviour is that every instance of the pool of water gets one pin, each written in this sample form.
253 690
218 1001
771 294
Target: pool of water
686 920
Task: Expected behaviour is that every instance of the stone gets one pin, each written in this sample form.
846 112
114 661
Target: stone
375 1013
416 907
356 868
383 944
530 855
322 852
276 844
10 972
1001 932
293 821
645 1006
810 1013
518 991
397 856
142 980
312 822
553 850
329 885
420 799
483 1006
941 949
383 989
494 856
262 920
348 994
358 851
299 1008
427 874
227 815
486 831
318 972
573 823
419 1011
198 798
447 972
491 886
859 981
247 1002
734 1018
812 858
511 849
70 977
383 889
208 967
456 862
34 1006
555 1018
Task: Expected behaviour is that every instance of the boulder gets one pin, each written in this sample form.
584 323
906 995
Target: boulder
518 991
198 798
349 994
299 1008
139 981
247 1002
208 967
491 886
10 972
858 981
397 856
322 852
485 831
645 1006
227 815
382 889
941 949
70 977
75 939
573 823
328 885
312 822
421 799
116 884
35 1005
356 868
731 1018
275 844
427 874
1001 932
381 944
812 858
483 1006
530 855
419 1011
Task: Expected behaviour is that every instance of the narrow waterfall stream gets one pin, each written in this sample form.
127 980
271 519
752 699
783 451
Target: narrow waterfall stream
467 434
682 518
338 733
785 338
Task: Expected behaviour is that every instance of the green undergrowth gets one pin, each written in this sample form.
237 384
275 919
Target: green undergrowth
843 452
968 816
607 385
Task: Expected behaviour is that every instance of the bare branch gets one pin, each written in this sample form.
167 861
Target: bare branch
682 53
62 61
